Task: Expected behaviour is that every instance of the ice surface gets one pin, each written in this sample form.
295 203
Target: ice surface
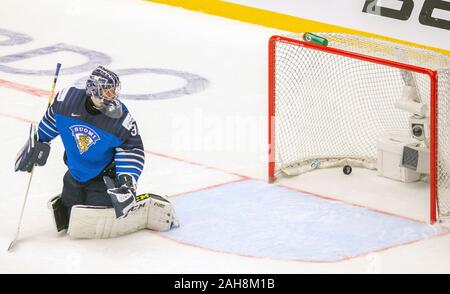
195 141
259 219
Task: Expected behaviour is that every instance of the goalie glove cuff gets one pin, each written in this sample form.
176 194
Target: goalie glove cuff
124 197
32 153
128 181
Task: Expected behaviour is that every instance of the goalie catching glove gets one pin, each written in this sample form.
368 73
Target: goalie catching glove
32 153
123 197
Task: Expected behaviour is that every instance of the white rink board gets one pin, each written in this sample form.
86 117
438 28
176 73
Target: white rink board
348 14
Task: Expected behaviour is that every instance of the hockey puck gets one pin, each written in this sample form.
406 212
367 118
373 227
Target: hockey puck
347 169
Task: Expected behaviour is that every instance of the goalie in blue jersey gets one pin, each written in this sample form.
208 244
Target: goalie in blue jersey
103 151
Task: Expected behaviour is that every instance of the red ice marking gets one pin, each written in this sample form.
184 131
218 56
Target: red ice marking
352 204
208 187
343 259
16 117
195 163
23 88
41 93
241 177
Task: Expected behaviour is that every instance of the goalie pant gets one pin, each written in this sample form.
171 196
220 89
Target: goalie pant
91 193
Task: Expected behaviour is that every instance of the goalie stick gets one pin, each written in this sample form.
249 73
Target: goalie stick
50 98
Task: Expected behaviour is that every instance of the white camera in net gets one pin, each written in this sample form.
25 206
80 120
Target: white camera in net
420 128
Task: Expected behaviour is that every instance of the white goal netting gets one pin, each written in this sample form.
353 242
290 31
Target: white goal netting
330 108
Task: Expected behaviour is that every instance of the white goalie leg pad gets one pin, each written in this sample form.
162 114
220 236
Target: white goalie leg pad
161 215
96 222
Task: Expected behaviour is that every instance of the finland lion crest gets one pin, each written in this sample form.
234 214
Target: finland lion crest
84 136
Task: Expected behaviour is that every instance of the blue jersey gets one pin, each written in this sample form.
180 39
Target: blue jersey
92 141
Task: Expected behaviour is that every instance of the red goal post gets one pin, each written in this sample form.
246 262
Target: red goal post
278 65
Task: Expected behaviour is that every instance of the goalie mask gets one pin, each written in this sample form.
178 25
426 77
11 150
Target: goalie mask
103 86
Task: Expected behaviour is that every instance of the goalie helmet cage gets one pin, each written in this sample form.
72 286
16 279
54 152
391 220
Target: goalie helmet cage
329 104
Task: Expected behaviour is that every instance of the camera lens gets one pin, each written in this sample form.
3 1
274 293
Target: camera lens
417 131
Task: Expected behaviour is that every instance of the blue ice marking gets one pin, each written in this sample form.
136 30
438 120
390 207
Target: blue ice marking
258 219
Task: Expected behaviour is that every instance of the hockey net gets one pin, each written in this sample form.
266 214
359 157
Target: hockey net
328 106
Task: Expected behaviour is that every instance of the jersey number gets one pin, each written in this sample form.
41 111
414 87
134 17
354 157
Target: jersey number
134 129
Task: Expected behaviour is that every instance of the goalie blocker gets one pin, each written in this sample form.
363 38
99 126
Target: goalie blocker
151 211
